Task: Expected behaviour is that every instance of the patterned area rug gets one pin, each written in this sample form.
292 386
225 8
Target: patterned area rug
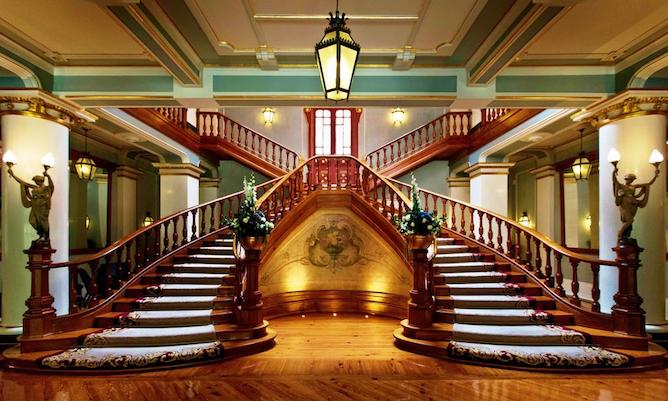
539 356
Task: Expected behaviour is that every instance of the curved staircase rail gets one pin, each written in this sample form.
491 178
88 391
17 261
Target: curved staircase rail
451 124
106 273
214 124
546 260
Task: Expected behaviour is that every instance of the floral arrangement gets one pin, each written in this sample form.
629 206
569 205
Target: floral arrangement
250 222
418 221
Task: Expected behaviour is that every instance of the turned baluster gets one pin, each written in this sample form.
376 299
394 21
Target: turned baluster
559 275
165 238
129 269
212 219
93 282
184 229
108 279
490 231
510 249
481 230
575 283
549 281
462 222
193 228
120 268
518 246
499 237
471 232
538 260
280 157
595 289
385 155
527 252
202 221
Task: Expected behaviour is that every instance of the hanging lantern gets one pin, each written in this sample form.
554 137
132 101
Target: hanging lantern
85 165
581 166
337 55
148 220
524 220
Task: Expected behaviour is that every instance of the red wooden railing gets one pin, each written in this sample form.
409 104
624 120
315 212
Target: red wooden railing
491 115
108 270
543 258
430 134
177 115
214 124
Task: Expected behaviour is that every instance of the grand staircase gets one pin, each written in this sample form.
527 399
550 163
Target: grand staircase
180 313
488 312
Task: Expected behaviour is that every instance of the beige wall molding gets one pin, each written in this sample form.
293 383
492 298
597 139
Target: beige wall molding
183 169
206 182
459 182
127 172
489 169
544 171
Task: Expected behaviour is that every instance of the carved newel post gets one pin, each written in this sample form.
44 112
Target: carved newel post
249 304
38 319
627 315
420 305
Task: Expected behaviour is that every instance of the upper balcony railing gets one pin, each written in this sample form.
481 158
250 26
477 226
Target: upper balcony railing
177 115
216 125
451 124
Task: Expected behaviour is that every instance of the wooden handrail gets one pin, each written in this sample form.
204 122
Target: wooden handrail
110 269
453 123
214 124
538 254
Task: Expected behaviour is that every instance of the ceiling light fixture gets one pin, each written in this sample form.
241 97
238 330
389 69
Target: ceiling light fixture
336 55
85 165
581 166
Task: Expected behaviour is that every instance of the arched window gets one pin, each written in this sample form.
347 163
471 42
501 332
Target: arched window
333 131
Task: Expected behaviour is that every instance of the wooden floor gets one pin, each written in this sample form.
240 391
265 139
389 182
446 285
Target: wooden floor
322 357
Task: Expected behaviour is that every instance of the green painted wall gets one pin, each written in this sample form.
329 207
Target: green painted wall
431 176
232 176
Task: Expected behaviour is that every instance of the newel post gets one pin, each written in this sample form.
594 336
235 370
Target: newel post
38 319
249 304
420 306
627 315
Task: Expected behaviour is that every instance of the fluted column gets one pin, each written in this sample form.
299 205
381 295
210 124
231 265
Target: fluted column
547 201
179 186
124 201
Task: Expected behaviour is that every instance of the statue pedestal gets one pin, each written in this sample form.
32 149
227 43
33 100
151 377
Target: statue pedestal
627 315
38 319
420 307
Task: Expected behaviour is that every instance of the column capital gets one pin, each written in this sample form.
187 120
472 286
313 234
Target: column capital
630 103
544 171
179 169
38 103
101 178
459 182
489 169
207 182
127 172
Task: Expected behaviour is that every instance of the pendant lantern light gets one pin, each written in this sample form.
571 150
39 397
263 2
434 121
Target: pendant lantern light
85 165
581 166
148 220
524 219
336 55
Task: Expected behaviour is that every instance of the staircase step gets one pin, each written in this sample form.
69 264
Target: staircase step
190 278
464 267
501 288
517 334
503 316
446 241
219 268
495 301
150 336
133 357
454 248
182 289
171 302
479 277
213 250
564 356
164 318
204 258
457 257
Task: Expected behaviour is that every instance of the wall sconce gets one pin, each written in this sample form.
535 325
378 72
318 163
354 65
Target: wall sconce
9 158
524 220
588 222
268 115
87 222
148 220
398 116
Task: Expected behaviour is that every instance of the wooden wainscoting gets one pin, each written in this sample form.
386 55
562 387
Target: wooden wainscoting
336 301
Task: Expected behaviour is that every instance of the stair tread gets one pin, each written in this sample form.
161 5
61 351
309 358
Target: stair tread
195 275
463 264
503 312
493 297
472 274
200 265
489 285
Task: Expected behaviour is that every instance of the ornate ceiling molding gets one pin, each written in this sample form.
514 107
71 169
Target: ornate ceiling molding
627 104
39 104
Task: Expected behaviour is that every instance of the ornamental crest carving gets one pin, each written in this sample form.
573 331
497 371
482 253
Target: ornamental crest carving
334 245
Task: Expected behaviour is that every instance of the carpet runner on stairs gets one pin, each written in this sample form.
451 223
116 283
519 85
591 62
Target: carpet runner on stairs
487 312
181 314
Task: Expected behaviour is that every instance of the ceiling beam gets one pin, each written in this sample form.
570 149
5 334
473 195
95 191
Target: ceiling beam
151 28
519 27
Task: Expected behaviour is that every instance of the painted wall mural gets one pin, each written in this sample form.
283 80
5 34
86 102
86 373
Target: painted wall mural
334 250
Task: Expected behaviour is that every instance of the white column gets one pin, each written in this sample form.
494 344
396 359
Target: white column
124 201
98 209
460 188
576 210
179 186
30 138
208 189
547 201
489 186
635 137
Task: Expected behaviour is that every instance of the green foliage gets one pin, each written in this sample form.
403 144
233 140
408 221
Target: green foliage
418 221
250 222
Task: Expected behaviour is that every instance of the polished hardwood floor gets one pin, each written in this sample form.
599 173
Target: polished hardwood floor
347 357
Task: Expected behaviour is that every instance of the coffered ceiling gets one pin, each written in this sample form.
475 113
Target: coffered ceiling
185 36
